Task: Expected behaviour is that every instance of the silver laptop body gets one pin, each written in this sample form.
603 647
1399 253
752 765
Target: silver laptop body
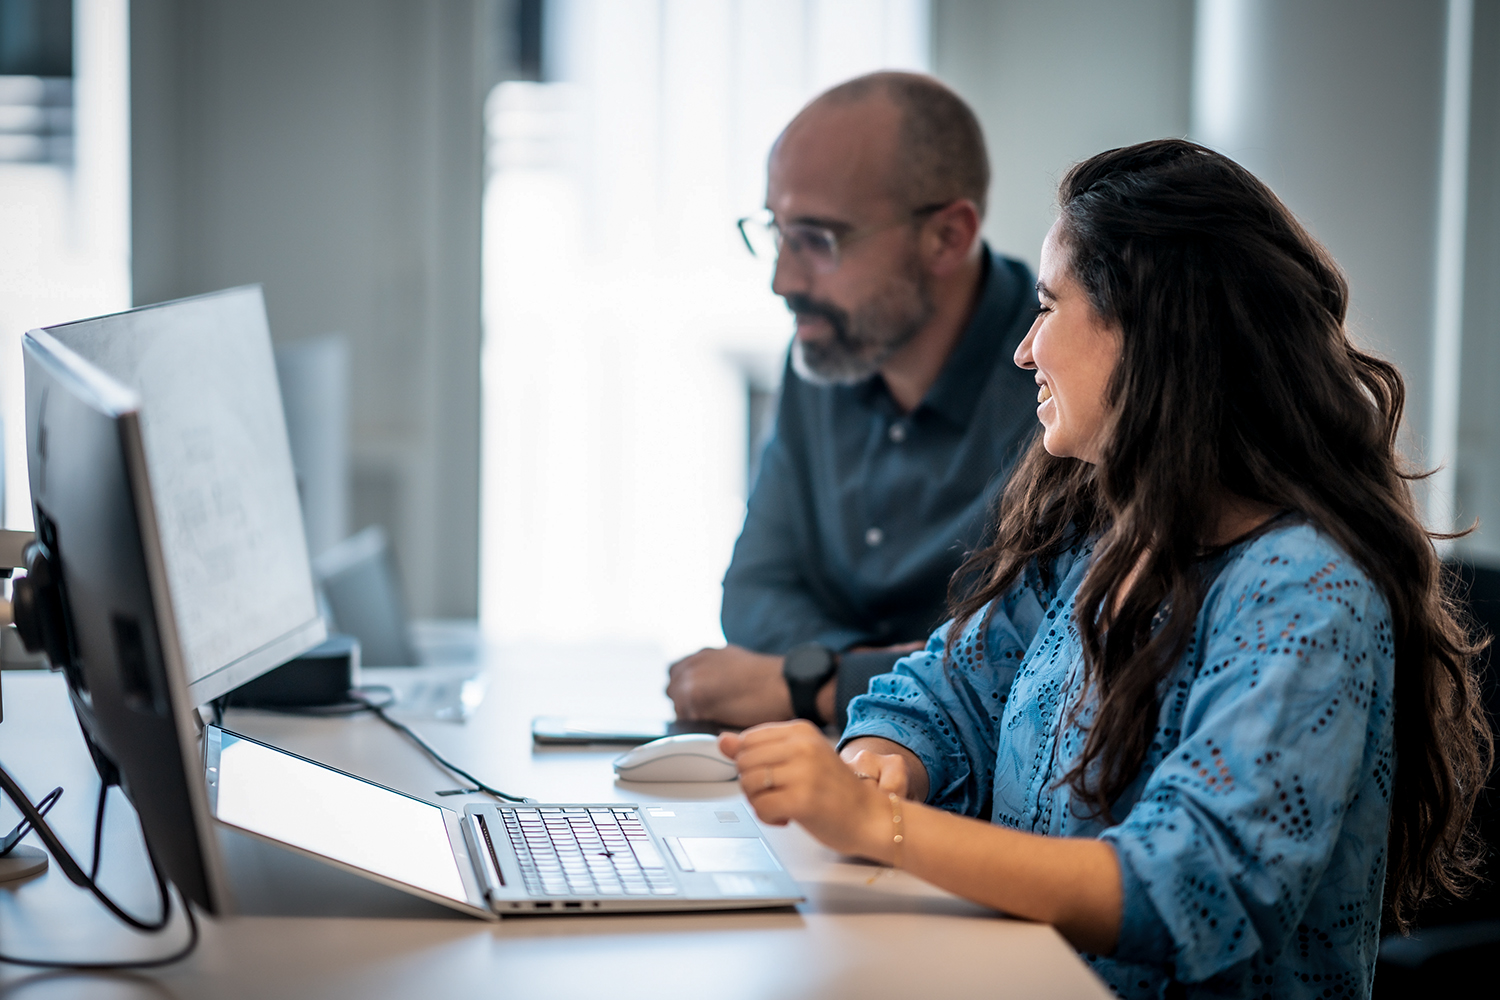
498 859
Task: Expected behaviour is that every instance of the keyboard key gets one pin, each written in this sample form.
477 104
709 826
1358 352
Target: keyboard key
579 851
646 854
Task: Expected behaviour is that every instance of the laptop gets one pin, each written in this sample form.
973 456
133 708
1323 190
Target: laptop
498 859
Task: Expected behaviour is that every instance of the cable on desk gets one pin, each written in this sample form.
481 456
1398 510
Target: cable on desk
360 700
10 840
427 748
76 875
99 828
122 965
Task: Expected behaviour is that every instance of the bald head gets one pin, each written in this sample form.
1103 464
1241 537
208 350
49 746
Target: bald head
918 140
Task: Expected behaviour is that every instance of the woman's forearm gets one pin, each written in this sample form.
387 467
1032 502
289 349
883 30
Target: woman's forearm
1071 883
789 772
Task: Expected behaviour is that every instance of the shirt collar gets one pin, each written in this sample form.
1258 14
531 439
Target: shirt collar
992 331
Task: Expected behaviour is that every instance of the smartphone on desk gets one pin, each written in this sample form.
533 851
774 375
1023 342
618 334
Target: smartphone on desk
625 732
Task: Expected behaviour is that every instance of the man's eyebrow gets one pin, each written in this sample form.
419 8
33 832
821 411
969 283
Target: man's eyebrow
815 220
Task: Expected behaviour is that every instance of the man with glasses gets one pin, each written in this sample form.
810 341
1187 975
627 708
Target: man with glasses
901 411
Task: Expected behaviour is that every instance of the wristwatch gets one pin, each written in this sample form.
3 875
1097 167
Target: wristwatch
807 668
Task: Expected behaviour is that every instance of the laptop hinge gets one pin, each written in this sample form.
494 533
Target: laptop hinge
493 877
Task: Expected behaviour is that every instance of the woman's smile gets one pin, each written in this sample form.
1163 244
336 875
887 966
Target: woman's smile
1073 352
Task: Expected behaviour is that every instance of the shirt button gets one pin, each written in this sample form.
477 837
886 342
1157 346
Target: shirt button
874 537
897 433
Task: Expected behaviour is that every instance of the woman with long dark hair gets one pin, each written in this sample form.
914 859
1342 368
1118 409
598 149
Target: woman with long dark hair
1203 704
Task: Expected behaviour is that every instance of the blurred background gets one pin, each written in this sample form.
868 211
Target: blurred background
497 236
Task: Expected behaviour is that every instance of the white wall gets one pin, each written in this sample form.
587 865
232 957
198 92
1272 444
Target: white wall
1337 105
332 150
1056 82
1478 478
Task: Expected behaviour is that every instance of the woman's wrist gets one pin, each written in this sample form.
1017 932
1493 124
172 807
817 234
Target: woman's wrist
884 820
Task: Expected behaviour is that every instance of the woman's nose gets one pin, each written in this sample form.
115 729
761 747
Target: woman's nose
1023 352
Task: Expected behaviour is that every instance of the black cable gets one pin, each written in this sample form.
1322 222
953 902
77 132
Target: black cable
123 964
75 875
10 840
99 829
431 751
71 868
163 895
360 701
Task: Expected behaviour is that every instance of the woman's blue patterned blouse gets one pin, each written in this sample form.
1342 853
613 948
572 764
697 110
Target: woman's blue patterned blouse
1253 843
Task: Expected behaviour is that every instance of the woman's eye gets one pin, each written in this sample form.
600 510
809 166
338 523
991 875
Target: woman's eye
1042 310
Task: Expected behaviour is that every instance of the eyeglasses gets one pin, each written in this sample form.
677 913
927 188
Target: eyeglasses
818 247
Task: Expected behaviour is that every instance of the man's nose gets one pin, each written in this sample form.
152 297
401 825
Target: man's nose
790 276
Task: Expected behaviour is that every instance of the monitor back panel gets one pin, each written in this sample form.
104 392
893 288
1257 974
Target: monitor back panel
234 553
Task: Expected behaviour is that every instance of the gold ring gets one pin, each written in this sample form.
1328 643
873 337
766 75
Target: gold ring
770 780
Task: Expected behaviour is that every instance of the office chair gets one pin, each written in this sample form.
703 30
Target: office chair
1455 941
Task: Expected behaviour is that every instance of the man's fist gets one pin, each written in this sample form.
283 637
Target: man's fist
730 685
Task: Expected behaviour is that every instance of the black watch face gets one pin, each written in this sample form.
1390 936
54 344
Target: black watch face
809 662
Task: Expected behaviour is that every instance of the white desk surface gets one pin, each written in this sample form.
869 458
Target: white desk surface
896 938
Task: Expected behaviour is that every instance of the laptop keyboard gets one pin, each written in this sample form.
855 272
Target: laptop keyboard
586 852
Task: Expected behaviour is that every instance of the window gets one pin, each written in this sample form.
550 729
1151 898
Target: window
628 336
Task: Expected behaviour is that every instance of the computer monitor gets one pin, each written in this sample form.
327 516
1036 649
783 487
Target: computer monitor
98 597
233 552
314 379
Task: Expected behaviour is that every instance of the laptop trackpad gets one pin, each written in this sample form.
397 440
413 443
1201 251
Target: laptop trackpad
722 854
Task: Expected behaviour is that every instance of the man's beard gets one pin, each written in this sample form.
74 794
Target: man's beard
865 339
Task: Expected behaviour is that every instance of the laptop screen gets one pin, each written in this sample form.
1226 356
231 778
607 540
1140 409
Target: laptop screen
335 815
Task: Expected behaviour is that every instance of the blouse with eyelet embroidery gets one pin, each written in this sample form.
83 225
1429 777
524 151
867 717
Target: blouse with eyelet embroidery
1252 845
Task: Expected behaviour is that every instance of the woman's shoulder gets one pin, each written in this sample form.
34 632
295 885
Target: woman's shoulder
1294 561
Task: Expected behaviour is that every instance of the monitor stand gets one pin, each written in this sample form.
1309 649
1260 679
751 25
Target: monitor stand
23 861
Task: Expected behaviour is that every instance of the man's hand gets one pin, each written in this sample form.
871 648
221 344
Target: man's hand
730 685
740 688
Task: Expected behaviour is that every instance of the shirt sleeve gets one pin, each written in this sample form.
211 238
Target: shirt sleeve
1286 717
768 605
948 713
856 670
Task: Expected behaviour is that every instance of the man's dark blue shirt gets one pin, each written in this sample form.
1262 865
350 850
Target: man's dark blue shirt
861 513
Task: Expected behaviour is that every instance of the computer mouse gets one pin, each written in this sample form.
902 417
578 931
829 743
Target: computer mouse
688 757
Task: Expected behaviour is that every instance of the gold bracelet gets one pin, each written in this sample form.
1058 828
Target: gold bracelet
897 837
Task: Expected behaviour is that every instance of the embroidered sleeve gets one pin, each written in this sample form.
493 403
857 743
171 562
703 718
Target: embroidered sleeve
948 713
1286 723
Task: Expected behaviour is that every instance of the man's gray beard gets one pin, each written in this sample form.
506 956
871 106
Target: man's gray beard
874 332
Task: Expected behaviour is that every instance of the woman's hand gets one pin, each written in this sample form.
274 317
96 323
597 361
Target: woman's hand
887 770
789 772
892 767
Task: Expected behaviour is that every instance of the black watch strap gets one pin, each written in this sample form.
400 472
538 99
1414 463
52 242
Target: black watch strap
807 668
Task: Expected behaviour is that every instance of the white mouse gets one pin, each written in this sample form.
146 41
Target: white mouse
689 757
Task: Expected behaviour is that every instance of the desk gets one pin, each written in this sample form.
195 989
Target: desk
896 938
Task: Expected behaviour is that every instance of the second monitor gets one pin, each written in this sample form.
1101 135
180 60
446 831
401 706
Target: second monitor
235 563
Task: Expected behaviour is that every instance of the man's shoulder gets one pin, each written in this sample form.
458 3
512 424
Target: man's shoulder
1009 279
